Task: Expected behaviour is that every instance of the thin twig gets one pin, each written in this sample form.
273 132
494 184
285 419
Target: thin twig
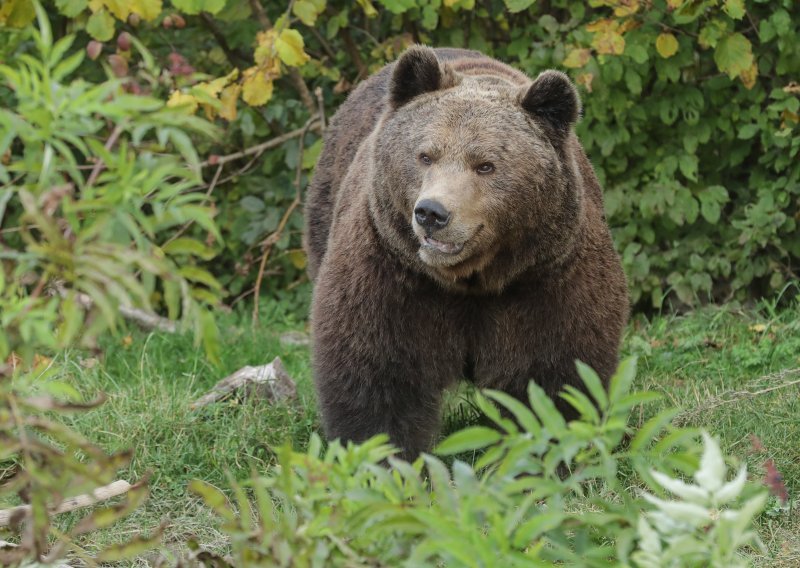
323 42
257 149
100 164
355 56
270 241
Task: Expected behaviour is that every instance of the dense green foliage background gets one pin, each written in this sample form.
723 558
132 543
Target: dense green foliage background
691 115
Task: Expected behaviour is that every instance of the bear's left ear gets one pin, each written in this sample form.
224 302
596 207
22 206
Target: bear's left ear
553 99
418 71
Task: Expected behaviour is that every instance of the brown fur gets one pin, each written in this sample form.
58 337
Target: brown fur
537 285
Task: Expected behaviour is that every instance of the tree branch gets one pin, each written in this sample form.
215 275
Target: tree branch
103 493
257 149
270 241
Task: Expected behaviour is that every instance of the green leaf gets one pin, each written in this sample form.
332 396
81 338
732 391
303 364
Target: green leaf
650 429
472 438
747 131
688 166
711 33
621 381
196 274
213 498
197 6
712 199
71 8
593 383
545 410
733 55
521 412
394 6
586 408
308 10
189 246
735 9
515 6
532 529
101 25
210 336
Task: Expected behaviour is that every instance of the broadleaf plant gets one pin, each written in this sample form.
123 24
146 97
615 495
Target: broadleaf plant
532 491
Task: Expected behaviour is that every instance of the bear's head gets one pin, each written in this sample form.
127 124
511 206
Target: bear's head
475 173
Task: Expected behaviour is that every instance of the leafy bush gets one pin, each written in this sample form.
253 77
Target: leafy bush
691 115
91 206
540 491
95 196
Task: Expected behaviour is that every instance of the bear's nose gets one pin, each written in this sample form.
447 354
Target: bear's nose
431 215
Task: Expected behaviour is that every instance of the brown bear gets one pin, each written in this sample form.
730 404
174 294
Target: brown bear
455 229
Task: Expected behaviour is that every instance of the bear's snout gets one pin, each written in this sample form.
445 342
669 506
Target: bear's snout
431 215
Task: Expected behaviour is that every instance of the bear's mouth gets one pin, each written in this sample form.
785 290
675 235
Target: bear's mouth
442 246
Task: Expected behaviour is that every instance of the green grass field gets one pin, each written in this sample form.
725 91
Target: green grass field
735 372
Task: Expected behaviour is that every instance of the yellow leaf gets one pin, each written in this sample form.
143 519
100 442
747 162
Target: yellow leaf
577 58
147 9
289 45
120 9
256 87
298 258
265 46
17 13
213 88
585 79
666 45
228 98
41 360
369 9
626 8
611 43
628 25
601 25
182 100
607 38
749 76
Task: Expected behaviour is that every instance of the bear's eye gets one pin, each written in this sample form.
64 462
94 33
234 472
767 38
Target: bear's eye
485 168
425 159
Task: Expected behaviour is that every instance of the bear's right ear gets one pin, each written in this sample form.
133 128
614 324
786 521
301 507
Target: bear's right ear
416 72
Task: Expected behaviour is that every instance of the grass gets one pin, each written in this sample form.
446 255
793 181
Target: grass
734 372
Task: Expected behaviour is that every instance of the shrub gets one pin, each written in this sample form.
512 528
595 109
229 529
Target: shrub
95 191
95 195
538 492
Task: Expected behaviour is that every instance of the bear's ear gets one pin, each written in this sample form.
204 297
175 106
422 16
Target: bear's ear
553 99
416 72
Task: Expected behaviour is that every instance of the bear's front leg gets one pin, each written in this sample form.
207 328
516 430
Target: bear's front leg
382 354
